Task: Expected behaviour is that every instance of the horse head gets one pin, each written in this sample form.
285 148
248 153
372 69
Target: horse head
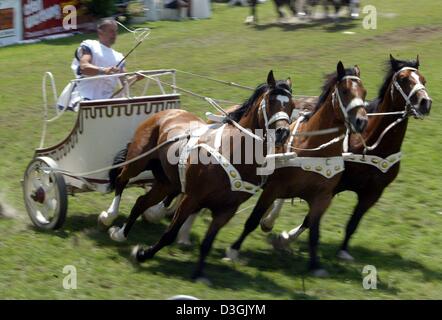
407 87
348 98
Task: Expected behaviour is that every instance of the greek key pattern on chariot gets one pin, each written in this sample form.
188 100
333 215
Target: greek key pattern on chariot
97 111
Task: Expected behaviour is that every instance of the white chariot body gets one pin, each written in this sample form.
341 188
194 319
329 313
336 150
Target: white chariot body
81 161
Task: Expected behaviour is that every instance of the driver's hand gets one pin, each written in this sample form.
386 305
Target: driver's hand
111 70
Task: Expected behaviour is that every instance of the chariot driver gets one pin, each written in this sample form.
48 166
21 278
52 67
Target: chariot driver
95 58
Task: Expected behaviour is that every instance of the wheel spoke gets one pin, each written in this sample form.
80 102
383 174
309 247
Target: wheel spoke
50 204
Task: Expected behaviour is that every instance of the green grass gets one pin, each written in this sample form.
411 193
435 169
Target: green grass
400 235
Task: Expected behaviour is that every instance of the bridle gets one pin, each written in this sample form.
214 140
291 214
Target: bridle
354 103
409 108
280 115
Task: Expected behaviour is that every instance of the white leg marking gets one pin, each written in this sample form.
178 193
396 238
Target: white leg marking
184 233
155 213
231 255
117 234
295 233
344 255
273 213
107 217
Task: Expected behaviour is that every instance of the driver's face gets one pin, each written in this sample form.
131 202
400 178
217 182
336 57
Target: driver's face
108 34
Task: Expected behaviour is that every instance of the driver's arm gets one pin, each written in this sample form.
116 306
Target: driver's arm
88 69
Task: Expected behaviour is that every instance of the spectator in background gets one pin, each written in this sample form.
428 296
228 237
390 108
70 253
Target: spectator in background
179 4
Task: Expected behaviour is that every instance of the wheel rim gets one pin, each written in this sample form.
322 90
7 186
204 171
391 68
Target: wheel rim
41 193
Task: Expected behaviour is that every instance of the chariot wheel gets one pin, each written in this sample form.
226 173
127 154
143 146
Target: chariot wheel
45 194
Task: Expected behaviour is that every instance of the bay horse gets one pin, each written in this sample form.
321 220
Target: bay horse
216 185
401 95
315 172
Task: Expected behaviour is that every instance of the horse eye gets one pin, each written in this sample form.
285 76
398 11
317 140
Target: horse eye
345 91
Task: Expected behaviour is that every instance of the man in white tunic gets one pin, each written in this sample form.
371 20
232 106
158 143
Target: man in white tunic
95 58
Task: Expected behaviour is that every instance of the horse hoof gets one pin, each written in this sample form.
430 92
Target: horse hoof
203 280
279 243
265 228
117 234
134 254
344 255
320 273
185 243
249 20
232 255
102 221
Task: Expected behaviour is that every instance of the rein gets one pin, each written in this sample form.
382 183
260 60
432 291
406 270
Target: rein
356 102
209 100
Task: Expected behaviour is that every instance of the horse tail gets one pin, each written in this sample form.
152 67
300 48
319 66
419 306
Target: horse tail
113 173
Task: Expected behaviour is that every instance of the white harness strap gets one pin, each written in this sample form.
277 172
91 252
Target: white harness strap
236 183
185 153
295 129
382 164
327 167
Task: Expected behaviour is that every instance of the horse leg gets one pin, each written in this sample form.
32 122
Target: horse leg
292 6
106 218
220 218
365 202
252 18
268 221
158 211
317 208
282 240
278 8
186 208
264 202
158 192
184 233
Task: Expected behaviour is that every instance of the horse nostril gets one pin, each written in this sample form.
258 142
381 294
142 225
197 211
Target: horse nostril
361 124
281 134
425 105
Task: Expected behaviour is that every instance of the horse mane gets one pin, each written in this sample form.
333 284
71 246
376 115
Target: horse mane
237 114
330 81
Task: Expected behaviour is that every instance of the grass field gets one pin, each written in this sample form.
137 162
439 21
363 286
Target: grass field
400 236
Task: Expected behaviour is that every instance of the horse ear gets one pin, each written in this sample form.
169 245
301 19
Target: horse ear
417 61
289 82
394 63
357 70
340 70
271 79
